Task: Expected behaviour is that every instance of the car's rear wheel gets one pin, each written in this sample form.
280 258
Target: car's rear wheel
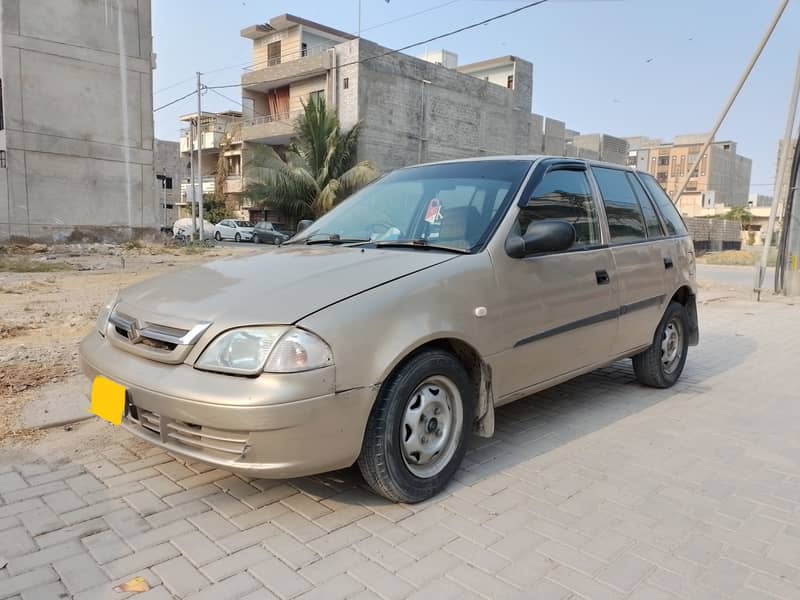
218 236
662 363
237 238
417 431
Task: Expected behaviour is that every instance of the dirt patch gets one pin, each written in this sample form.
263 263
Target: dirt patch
21 264
46 314
746 258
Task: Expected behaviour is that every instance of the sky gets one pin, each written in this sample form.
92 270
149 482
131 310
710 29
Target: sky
623 67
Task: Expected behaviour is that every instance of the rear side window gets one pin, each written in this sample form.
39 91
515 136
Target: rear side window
654 229
672 219
625 219
564 196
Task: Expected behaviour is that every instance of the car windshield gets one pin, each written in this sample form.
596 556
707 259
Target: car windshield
243 223
455 205
280 227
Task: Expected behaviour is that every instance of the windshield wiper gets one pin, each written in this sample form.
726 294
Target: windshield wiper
420 243
329 238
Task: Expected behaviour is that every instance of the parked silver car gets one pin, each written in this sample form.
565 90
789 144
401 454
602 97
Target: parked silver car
392 328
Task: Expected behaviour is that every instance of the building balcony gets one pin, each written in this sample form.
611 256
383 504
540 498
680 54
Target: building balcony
284 70
234 184
211 141
270 129
209 186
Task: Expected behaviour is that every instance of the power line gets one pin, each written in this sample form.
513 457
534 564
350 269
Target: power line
420 43
192 93
409 16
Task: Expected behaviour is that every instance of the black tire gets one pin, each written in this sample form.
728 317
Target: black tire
274 241
650 366
382 461
255 239
237 238
218 236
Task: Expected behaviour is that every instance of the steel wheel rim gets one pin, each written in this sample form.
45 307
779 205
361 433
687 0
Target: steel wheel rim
672 346
430 430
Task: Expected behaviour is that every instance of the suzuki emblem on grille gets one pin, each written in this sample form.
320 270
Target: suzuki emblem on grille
134 337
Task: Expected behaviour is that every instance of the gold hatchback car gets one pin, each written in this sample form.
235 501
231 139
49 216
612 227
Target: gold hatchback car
389 330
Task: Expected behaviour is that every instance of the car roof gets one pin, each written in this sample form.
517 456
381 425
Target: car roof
532 158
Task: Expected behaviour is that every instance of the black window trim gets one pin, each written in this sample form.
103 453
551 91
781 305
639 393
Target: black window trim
542 168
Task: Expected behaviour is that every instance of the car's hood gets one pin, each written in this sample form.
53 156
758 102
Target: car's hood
278 287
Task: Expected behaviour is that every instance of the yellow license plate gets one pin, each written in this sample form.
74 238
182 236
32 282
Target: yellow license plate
108 400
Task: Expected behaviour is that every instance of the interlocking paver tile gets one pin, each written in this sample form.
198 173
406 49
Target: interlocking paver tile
79 573
180 577
279 578
198 548
106 546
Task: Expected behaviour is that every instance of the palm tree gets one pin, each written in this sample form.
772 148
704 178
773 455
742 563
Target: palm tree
316 172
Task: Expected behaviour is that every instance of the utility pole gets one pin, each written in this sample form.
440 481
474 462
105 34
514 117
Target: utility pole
200 154
734 94
192 170
782 176
164 196
792 226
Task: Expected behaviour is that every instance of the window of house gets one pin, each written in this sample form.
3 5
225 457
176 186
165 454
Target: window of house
166 182
669 213
663 161
2 159
346 83
317 96
274 53
510 82
303 49
651 219
564 196
625 220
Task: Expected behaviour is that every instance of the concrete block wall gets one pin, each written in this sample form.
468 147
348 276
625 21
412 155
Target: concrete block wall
554 136
73 168
463 116
714 234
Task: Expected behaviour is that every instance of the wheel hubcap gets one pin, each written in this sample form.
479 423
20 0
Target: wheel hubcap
671 346
431 427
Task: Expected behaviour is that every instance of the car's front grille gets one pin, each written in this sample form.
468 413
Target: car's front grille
148 335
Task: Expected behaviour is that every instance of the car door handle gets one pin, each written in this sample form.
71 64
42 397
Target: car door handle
602 277
668 263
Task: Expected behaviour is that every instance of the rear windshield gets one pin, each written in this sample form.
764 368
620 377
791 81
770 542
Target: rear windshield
672 218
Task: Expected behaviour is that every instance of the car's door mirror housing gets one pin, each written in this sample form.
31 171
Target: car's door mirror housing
304 224
541 237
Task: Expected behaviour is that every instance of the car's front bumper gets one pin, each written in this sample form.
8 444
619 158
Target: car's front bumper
262 427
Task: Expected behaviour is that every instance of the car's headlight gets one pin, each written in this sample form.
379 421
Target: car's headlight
251 350
105 313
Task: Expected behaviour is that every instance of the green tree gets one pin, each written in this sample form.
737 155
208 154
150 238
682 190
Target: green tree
316 171
740 213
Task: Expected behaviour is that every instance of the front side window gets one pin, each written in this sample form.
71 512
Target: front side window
625 219
243 224
563 195
672 219
456 205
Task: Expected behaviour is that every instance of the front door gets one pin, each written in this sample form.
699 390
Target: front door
556 312
640 257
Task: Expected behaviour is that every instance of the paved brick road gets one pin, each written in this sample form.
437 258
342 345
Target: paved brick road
596 489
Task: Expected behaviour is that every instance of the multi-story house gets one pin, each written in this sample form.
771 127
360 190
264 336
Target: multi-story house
721 178
221 143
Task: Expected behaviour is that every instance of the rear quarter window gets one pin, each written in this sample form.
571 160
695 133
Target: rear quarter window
672 218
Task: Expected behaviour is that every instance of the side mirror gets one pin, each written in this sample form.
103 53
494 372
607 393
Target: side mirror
542 236
304 224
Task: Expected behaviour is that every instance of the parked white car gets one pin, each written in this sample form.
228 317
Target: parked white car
186 225
231 229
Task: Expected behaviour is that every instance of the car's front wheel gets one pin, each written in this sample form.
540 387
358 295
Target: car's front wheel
662 363
218 236
417 432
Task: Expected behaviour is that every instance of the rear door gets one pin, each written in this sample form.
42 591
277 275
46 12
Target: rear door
557 312
638 260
